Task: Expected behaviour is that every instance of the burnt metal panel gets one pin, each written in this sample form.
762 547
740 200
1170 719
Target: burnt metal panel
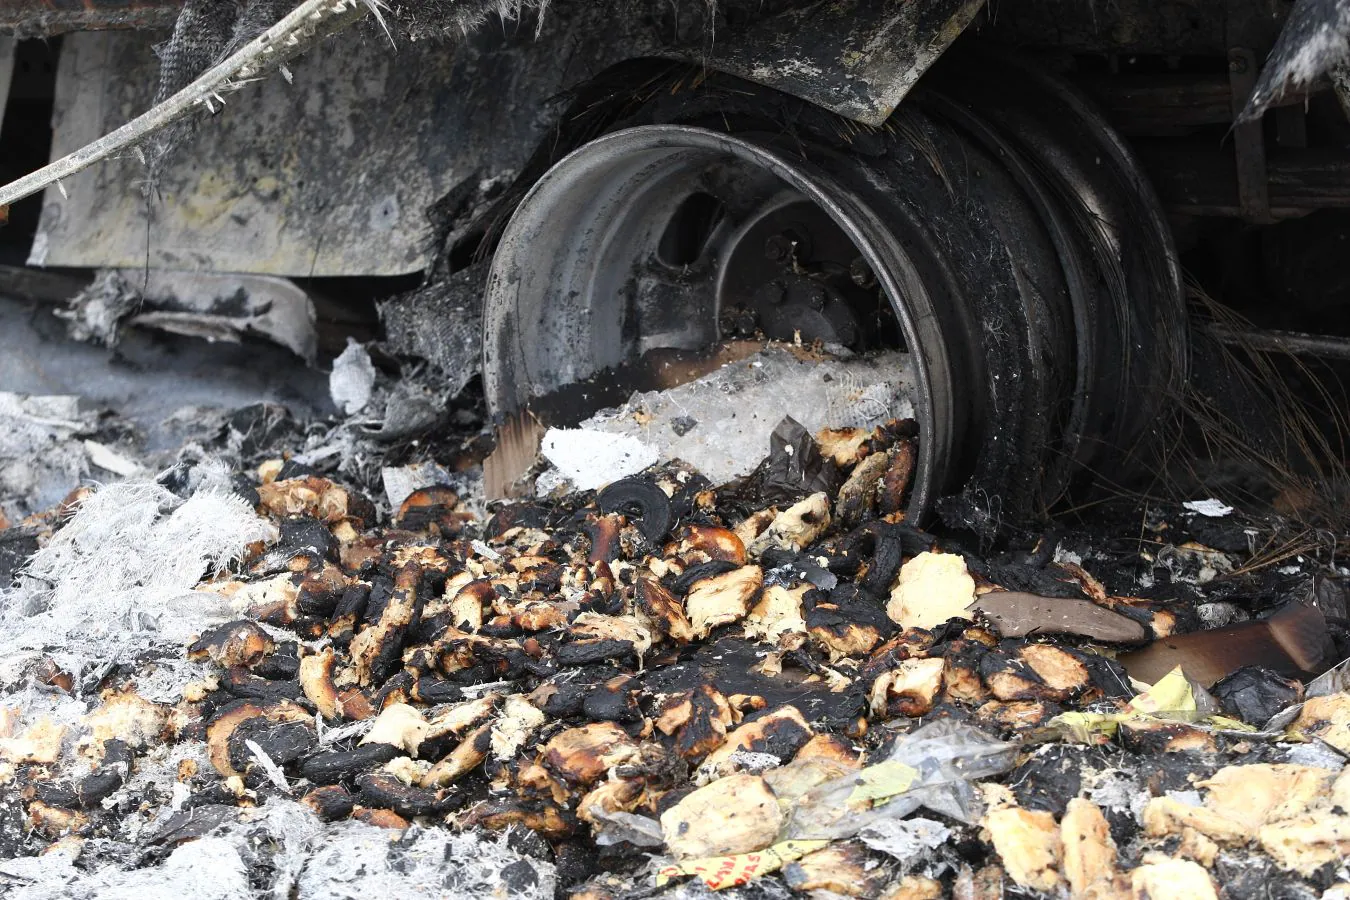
331 175
855 58
328 175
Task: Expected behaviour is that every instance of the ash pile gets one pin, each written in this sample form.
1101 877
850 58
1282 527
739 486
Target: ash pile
259 684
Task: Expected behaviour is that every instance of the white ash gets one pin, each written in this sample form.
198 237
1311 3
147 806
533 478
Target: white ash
359 861
590 458
39 702
278 839
906 840
469 486
41 456
156 772
162 679
1211 507
483 550
328 735
303 859
95 314
401 481
1114 790
1219 614
268 766
1192 565
754 763
475 690
205 869
1063 556
1315 754
619 826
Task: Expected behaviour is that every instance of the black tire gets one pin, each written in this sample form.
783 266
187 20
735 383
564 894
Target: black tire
1048 331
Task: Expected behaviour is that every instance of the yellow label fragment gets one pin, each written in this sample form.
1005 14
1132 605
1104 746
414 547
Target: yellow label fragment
1087 728
1169 698
719 872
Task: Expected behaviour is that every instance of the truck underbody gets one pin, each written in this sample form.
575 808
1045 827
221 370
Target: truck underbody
457 566
368 160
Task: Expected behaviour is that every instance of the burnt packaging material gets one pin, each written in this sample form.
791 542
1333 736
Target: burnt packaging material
793 469
1254 695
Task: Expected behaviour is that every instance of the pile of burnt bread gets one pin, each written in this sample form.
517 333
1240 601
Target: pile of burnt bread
579 666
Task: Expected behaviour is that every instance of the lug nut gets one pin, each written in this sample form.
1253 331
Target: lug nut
778 248
861 274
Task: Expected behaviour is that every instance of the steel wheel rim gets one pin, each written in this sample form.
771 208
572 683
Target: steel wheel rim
563 220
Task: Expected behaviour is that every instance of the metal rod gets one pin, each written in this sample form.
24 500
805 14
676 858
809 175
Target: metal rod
1326 346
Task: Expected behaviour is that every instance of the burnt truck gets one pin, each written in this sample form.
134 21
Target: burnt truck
1007 191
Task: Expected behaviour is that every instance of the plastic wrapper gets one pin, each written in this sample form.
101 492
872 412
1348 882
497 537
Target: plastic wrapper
1255 694
795 466
906 841
617 827
934 767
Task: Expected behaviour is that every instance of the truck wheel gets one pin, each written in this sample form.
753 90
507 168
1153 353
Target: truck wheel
1010 246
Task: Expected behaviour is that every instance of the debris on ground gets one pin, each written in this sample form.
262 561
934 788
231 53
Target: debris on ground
772 686
352 380
205 305
41 454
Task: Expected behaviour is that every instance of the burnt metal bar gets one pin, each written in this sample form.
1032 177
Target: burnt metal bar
6 71
1198 179
1324 346
1248 140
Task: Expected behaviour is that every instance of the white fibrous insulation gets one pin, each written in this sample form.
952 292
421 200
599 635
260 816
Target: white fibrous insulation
119 576
721 423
